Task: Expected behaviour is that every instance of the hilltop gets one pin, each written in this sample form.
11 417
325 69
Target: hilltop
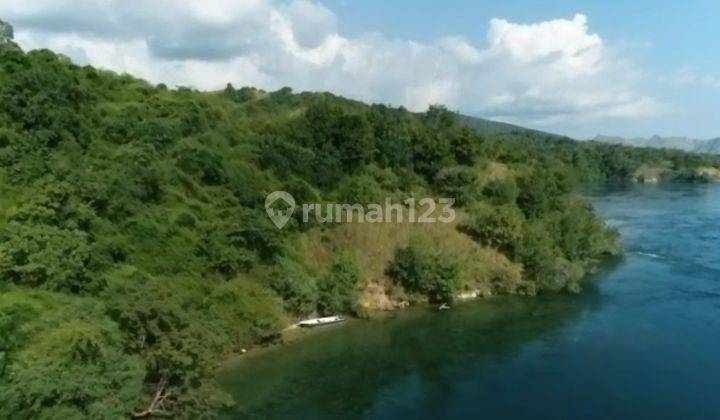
490 127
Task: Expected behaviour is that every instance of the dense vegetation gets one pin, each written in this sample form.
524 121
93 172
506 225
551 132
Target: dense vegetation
135 252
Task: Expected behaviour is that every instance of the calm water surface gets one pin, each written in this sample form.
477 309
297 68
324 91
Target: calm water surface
642 342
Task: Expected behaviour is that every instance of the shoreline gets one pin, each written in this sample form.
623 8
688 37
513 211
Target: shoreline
293 333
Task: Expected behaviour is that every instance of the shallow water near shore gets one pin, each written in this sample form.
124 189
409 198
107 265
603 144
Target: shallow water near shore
642 341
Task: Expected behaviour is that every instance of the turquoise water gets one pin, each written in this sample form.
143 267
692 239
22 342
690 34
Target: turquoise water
642 342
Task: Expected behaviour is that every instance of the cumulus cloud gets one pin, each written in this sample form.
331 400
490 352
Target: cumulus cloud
543 73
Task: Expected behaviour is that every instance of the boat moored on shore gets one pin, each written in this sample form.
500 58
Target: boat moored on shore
316 322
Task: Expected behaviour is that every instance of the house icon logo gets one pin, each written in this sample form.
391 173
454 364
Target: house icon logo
279 217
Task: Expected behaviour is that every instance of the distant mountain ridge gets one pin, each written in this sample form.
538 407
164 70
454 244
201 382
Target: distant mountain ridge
489 127
682 143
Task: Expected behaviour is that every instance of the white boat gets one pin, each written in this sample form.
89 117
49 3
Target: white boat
443 307
316 322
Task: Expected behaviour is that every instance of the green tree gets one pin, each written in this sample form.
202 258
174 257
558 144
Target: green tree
338 289
46 256
499 227
421 268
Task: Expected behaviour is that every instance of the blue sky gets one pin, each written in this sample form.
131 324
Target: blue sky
665 38
683 31
632 68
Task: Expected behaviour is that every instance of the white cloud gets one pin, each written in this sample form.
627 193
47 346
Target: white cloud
542 73
310 23
691 76
566 43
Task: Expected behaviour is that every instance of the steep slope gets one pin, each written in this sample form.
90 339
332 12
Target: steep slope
490 127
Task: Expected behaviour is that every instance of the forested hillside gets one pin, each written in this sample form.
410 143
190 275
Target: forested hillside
681 143
490 127
135 252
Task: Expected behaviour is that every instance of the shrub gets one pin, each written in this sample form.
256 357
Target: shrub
297 288
501 191
338 289
536 251
201 163
65 359
498 227
46 256
456 182
250 312
421 268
